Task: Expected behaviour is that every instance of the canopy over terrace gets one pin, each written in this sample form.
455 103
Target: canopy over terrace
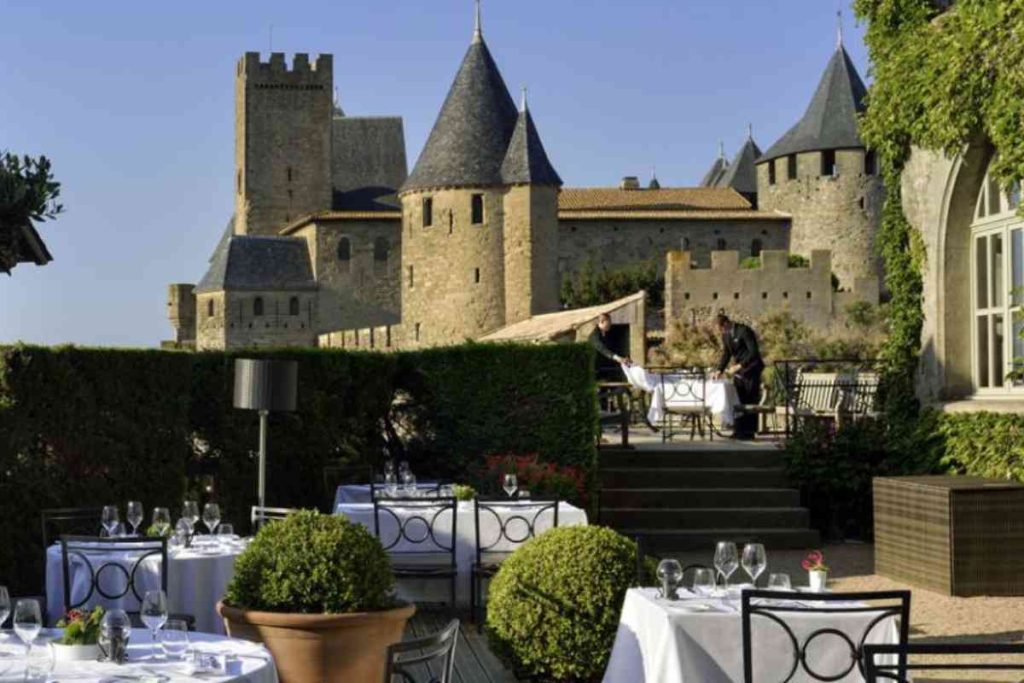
628 326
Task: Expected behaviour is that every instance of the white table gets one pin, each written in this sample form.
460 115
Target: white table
662 642
360 493
196 581
257 663
720 395
465 542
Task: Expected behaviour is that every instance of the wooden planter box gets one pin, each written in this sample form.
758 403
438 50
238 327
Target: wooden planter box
954 535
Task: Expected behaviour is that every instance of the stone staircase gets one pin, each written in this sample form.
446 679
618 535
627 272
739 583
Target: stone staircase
689 496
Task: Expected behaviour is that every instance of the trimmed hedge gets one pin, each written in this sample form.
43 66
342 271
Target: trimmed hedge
94 426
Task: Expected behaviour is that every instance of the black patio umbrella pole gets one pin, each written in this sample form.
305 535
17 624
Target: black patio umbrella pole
265 386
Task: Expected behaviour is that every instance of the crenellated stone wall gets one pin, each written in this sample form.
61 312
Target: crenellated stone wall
235 324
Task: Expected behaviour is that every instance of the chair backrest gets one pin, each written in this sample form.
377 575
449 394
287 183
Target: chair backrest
878 671
504 525
817 391
422 528
57 522
433 655
684 388
864 394
262 515
94 554
338 474
865 619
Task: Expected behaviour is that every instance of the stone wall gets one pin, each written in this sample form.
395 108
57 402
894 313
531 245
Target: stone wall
531 252
841 213
181 311
237 323
282 140
750 293
379 338
210 328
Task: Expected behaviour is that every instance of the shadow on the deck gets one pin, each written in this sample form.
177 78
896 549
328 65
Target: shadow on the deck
474 662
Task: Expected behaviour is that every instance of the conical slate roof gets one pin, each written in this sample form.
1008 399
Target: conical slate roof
831 119
467 145
715 173
526 162
741 175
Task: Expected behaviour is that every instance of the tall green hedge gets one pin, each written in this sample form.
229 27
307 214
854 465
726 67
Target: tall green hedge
97 426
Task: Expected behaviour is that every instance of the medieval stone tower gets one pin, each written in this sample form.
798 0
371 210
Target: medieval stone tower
479 214
282 140
821 173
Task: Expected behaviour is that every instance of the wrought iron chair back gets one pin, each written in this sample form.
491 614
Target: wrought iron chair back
878 672
259 516
515 522
684 390
57 522
417 528
773 606
88 550
434 654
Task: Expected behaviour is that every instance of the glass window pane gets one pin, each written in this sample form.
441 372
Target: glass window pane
995 245
980 213
983 351
1017 265
1014 196
981 265
1017 344
998 364
993 197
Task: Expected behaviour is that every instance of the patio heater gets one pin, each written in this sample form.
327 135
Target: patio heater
265 386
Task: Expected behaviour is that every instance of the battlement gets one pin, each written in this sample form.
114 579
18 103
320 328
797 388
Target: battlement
278 73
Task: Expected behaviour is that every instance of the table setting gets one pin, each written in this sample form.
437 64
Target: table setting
720 395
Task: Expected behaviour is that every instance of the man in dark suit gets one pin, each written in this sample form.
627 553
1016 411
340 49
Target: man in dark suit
739 345
608 362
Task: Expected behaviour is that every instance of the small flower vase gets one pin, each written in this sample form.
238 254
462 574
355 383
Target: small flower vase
816 579
75 653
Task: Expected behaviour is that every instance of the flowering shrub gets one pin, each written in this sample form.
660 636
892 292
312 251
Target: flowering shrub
541 479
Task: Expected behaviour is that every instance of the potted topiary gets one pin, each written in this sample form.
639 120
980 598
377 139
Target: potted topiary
553 608
318 591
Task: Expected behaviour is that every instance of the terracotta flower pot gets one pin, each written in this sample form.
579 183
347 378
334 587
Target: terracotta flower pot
321 647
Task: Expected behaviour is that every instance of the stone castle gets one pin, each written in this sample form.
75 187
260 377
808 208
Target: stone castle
333 243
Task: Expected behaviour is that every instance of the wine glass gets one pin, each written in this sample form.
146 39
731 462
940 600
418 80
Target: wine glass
389 468
174 639
154 612
109 519
5 605
754 561
403 468
409 483
726 560
211 516
669 574
779 582
190 511
510 485
226 529
28 621
134 515
703 581
390 485
162 520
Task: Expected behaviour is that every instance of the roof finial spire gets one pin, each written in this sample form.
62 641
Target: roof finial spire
522 101
750 131
478 30
839 29
721 150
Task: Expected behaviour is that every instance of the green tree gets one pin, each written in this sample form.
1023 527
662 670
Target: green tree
28 194
592 286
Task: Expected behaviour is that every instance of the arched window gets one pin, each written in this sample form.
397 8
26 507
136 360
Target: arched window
257 306
380 249
345 254
997 292
211 308
755 247
293 306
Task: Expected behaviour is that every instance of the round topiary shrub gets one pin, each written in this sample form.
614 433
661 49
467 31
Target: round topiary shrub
553 608
312 564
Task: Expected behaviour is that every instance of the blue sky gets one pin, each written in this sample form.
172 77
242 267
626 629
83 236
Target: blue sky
133 102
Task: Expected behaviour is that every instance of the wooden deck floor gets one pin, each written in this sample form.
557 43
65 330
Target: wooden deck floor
474 662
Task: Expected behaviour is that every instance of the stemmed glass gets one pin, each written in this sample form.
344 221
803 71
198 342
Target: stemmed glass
109 519
28 621
162 520
390 485
754 561
409 483
134 515
211 516
726 560
190 511
5 605
154 612
669 574
389 468
510 485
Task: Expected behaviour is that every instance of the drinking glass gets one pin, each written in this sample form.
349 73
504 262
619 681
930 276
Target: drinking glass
510 485
28 621
154 612
779 582
134 515
390 485
211 516
174 639
183 532
403 468
754 561
669 574
409 483
703 581
162 520
190 511
39 663
226 529
5 605
726 560
389 468
109 519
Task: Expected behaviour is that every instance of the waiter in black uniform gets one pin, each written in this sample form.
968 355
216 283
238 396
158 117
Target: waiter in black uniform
739 345
608 362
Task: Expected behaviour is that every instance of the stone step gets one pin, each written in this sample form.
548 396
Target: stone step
690 458
699 498
705 518
693 477
662 543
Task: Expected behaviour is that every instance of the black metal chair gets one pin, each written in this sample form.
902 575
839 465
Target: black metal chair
424 660
419 535
684 393
259 516
773 606
517 521
339 474
57 522
82 548
887 671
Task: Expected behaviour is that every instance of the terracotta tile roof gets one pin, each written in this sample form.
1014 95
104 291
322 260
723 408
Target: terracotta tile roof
341 216
669 198
673 215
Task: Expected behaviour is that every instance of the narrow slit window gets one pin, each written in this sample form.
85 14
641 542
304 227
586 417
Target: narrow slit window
477 209
791 167
870 163
828 162
428 211
771 172
293 306
257 306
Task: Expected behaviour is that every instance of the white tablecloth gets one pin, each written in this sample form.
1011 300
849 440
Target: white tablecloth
719 394
195 582
257 663
360 493
465 543
661 642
